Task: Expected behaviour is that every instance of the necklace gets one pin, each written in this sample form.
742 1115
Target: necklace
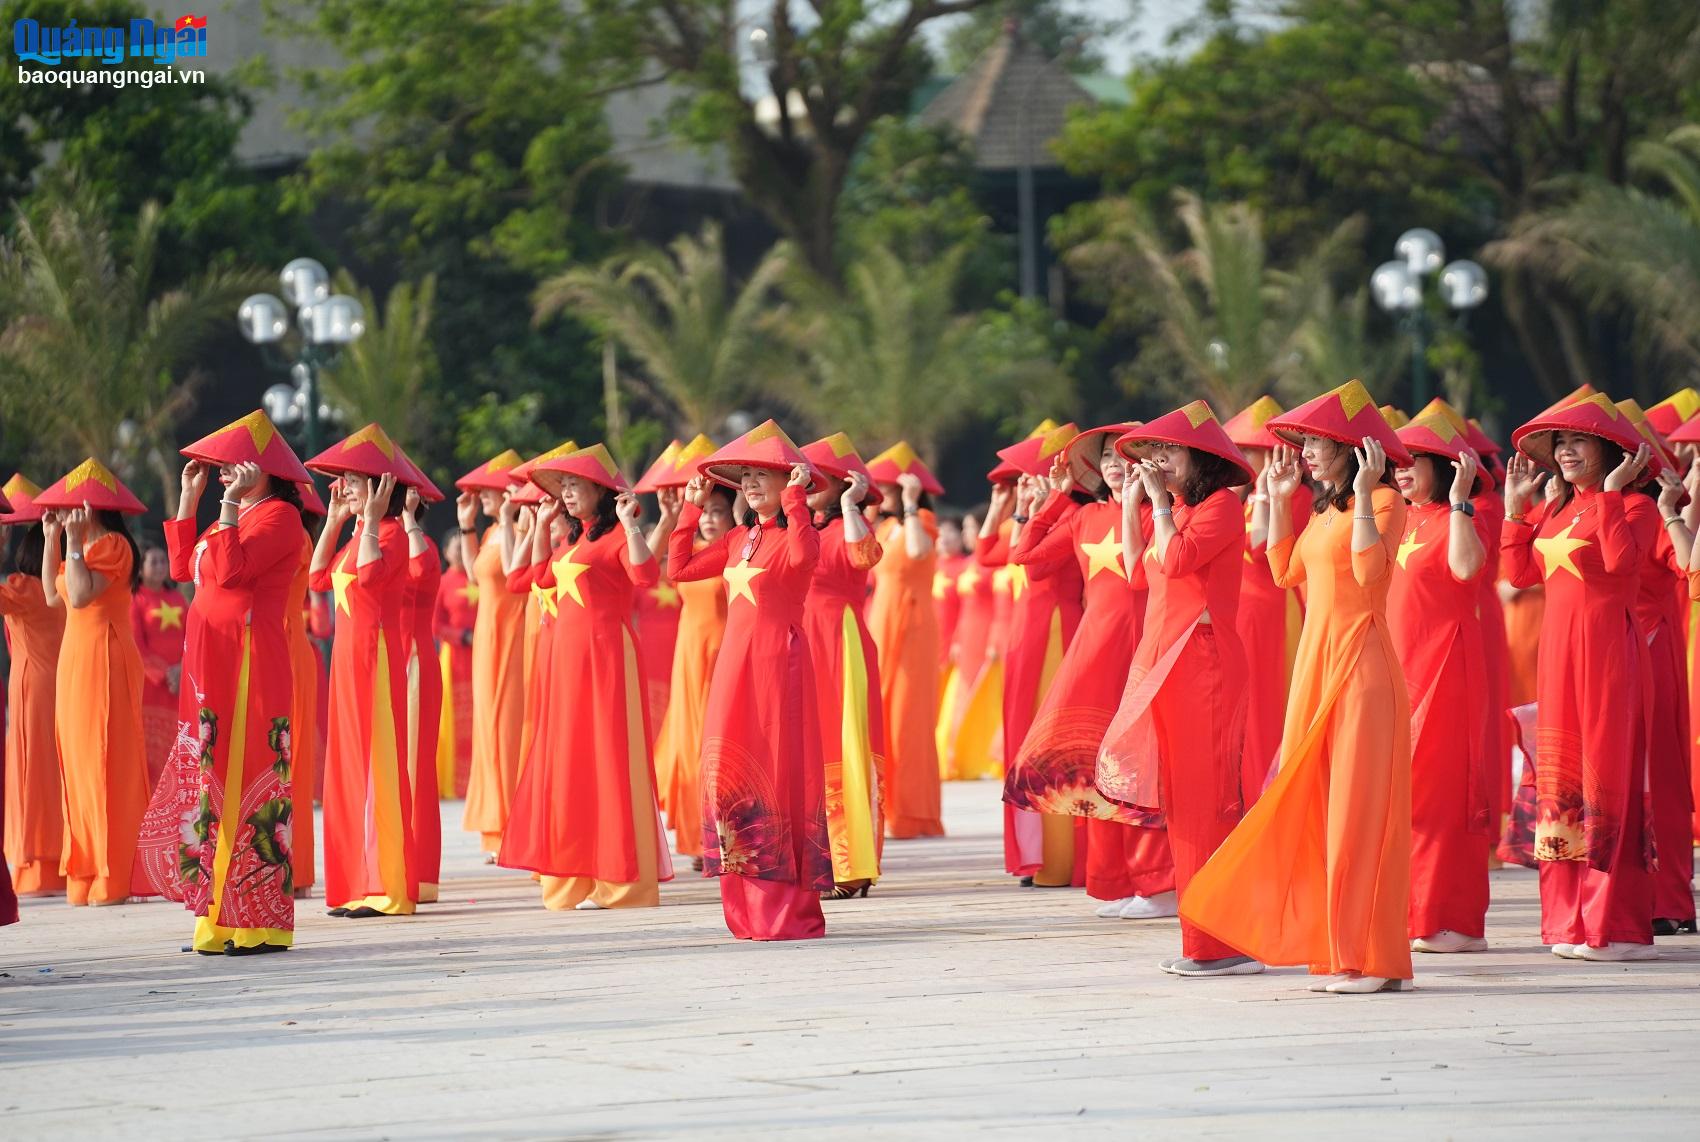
240 512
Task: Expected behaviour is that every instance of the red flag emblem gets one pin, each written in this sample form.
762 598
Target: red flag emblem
190 21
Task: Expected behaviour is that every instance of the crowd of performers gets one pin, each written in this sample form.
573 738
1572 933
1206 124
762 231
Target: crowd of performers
1300 678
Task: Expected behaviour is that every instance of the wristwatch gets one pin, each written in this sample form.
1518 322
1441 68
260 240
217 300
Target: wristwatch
1467 508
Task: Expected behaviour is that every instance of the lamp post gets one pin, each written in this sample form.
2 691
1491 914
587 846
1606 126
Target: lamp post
1398 289
325 322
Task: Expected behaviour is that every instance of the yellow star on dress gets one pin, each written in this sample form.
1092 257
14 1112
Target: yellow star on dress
1408 548
469 592
339 587
739 576
1556 551
567 574
666 596
545 600
965 582
168 617
1105 555
1017 580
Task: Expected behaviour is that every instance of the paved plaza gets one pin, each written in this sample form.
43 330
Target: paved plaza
948 1001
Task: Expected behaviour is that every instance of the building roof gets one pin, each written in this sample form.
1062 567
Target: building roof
1011 104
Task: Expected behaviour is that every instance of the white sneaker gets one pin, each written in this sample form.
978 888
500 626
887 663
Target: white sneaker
587 905
1150 907
1615 952
1366 985
1568 951
1446 940
1203 969
1112 909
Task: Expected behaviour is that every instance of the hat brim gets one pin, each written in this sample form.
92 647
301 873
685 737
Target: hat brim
1140 437
1295 436
721 473
1535 440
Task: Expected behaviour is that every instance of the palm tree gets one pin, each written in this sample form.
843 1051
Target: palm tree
389 373
891 358
1230 325
1627 251
1336 345
696 340
91 361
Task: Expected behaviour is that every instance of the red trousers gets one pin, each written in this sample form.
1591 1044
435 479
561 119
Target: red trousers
1124 860
770 909
1581 905
1197 723
1449 870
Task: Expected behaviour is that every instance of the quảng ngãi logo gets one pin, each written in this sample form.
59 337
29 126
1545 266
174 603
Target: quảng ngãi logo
184 39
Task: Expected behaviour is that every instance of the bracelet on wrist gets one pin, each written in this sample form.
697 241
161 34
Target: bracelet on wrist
1019 518
1370 518
1259 498
469 531
1163 511
77 555
232 503
1672 519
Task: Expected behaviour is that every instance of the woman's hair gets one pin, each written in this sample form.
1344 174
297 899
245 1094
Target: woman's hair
835 507
114 522
601 525
1611 455
1210 474
24 550
751 519
148 549
1341 498
286 491
1441 469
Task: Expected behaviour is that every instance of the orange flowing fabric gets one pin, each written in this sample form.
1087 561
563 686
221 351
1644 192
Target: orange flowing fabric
1660 617
584 815
678 748
424 714
156 617
369 857
1270 617
218 833
98 726
971 713
35 807
1437 632
1318 872
498 696
847 694
906 630
457 612
763 781
306 679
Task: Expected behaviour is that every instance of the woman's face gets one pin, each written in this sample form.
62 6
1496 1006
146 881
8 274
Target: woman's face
155 567
1175 462
351 488
451 551
490 502
1579 458
1111 464
1324 459
579 498
761 488
950 537
716 518
1417 483
827 495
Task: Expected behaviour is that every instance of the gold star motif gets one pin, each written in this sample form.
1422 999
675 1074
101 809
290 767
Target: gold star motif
1105 555
1556 551
340 581
1017 580
545 600
666 596
966 581
567 574
1151 555
1408 548
469 592
739 577
941 584
168 617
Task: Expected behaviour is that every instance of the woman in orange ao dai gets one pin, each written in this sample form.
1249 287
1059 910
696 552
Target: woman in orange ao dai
35 803
763 779
584 814
1318 872
98 719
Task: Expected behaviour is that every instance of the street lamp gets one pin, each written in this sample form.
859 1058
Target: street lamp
325 321
1398 289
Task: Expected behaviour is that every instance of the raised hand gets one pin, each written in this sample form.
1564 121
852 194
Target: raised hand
194 484
244 478
337 510
800 477
1629 471
910 485
77 525
1464 471
627 509
410 509
1522 481
855 491
52 523
378 495
696 492
1372 464
1281 474
1062 475
671 500
466 511
509 511
1671 492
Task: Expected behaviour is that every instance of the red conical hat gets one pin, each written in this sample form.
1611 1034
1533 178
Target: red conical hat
521 473
20 492
764 446
1594 414
1191 426
1579 393
594 464
1086 450
5 504
1688 432
1484 444
1662 455
492 475
1395 417
1005 472
1676 409
310 498
901 459
1346 414
252 440
1035 455
1437 430
416 478
1246 428
665 465
91 483
836 456
370 452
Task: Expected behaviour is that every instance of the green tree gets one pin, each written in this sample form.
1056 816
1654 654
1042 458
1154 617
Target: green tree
893 358
1229 324
829 74
677 314
93 359
389 375
1071 35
